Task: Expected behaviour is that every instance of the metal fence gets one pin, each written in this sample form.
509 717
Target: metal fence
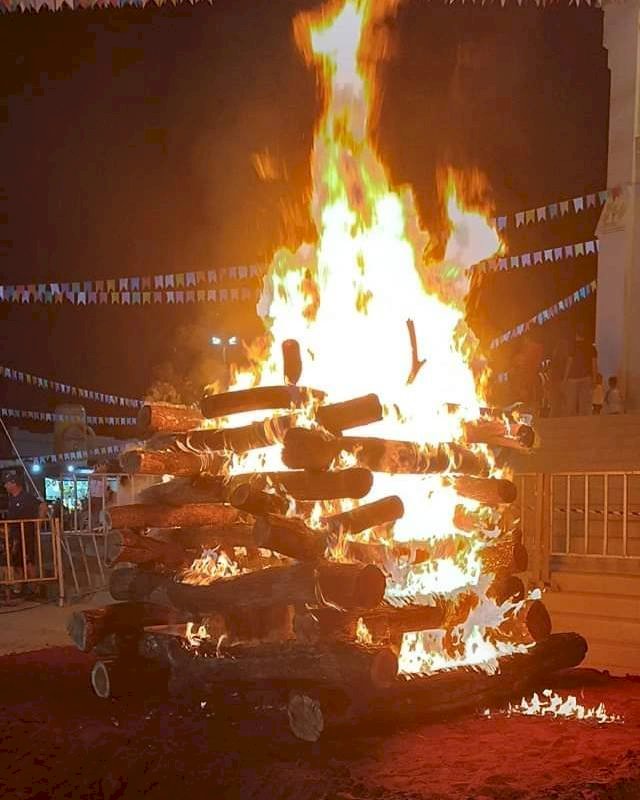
572 517
31 554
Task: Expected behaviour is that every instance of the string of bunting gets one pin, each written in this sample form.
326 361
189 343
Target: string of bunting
65 388
559 208
46 416
69 455
546 314
505 263
173 288
55 5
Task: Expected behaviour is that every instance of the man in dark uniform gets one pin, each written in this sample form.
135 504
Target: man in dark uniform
22 505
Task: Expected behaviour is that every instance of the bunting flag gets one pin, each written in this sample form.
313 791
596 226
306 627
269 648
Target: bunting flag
555 210
506 263
46 416
202 286
65 388
56 5
546 314
69 455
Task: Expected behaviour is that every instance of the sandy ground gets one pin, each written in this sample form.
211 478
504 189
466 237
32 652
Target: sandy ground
34 626
57 740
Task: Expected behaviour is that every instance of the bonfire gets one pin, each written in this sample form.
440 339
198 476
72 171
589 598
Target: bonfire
334 526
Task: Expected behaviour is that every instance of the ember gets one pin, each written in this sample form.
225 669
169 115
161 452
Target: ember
395 553
550 704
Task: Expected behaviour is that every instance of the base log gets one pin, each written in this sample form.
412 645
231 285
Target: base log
87 628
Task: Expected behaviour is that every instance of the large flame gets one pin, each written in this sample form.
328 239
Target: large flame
347 299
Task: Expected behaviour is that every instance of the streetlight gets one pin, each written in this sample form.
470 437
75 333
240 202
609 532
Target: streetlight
224 342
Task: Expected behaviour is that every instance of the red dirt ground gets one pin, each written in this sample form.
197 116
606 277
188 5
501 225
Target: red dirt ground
58 741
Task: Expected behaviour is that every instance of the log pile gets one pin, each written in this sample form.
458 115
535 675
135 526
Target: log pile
231 580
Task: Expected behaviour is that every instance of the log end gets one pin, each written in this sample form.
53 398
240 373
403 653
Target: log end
384 669
362 481
306 719
101 681
526 436
520 558
77 630
370 586
507 490
538 621
509 588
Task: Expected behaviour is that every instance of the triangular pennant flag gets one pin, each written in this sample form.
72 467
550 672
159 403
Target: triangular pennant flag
519 219
541 213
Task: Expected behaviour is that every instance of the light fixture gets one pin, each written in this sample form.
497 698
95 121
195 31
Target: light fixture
216 340
36 469
71 468
233 340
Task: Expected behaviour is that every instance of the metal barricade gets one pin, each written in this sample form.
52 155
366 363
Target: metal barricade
30 553
569 516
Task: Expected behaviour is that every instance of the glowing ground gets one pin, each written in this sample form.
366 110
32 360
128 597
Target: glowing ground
57 740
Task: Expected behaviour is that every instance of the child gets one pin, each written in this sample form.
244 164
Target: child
597 395
613 398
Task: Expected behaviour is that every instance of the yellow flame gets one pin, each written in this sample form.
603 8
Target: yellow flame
347 298
363 634
550 704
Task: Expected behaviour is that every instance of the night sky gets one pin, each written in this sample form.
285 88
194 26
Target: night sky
126 139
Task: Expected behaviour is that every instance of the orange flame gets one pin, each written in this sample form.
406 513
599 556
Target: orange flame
347 299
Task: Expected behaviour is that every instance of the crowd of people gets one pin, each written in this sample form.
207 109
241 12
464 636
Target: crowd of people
565 384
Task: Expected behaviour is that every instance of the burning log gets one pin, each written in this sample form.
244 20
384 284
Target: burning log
506 556
498 433
140 515
289 536
136 585
292 361
489 491
182 491
385 623
369 515
445 694
313 449
236 534
134 548
334 417
283 664
87 628
171 462
247 498
292 537
344 585
113 678
259 398
154 417
509 587
531 622
301 485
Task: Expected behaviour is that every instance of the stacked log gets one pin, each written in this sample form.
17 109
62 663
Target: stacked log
283 602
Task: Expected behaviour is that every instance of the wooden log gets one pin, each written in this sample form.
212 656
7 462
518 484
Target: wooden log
302 485
136 585
505 556
118 678
236 534
245 497
181 463
290 536
134 548
489 491
444 695
368 515
154 417
181 491
385 623
344 585
314 449
530 623
285 664
468 521
87 628
292 361
506 587
140 515
259 398
500 433
334 417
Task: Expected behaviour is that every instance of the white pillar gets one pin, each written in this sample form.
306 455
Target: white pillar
618 297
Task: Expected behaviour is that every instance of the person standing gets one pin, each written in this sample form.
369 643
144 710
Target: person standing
22 506
613 398
580 375
559 359
597 398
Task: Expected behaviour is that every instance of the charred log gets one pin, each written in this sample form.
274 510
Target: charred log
114 678
498 433
134 548
140 515
181 463
292 361
87 628
154 417
489 491
181 491
258 398
245 497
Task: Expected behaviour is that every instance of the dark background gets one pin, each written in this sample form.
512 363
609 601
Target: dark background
125 150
